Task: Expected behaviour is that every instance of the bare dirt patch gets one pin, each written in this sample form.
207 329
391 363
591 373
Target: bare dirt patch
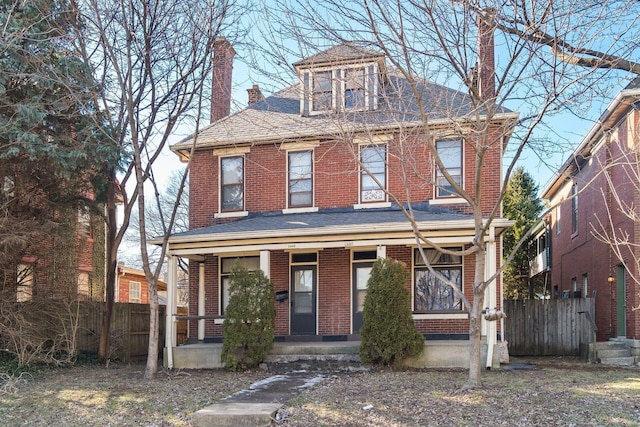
556 392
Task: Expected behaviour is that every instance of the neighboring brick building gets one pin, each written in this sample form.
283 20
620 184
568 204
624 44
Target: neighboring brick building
601 170
298 184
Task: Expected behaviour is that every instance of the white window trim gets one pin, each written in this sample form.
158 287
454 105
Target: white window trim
340 87
303 209
139 299
232 214
449 199
378 204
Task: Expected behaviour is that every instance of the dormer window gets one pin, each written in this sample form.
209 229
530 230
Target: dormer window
340 88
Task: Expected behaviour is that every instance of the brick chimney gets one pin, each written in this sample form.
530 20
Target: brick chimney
223 54
486 60
255 94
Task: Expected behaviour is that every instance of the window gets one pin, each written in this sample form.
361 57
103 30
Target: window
24 282
322 91
84 221
558 210
354 92
252 263
232 183
374 159
9 186
450 153
574 209
430 293
585 285
83 284
300 179
135 292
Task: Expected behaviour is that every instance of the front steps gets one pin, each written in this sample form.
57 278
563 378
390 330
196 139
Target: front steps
619 352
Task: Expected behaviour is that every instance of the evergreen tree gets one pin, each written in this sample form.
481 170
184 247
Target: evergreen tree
522 205
388 335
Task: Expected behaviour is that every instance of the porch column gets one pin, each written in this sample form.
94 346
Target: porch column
201 301
381 251
265 258
490 293
170 325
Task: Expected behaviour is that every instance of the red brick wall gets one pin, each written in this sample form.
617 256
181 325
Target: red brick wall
336 177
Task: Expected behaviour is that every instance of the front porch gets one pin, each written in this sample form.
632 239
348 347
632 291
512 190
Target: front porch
436 354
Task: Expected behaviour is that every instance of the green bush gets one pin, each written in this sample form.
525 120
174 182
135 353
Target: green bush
388 335
249 324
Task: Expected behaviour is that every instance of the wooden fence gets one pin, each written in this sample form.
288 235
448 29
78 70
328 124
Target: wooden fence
557 327
129 329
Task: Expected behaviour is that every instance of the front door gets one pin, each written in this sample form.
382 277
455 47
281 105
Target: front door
361 274
621 301
303 300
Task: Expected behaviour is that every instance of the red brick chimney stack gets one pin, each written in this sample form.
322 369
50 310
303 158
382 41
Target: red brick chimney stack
223 54
255 94
486 59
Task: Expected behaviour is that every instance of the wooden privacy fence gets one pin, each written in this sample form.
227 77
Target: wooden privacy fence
557 327
129 329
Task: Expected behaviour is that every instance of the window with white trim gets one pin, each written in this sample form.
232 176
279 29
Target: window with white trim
450 154
251 263
24 282
84 221
135 292
83 284
322 97
574 209
355 96
431 293
300 179
373 173
232 183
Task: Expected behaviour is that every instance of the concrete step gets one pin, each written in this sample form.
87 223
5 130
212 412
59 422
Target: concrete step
618 361
609 353
611 345
338 357
233 414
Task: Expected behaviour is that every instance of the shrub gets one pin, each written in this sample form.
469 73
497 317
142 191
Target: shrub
388 335
249 324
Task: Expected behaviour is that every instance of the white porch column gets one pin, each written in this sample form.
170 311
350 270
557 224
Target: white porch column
265 259
490 293
170 325
201 301
381 251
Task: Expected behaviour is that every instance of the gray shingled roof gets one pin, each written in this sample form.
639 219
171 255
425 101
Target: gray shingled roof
254 225
340 53
277 118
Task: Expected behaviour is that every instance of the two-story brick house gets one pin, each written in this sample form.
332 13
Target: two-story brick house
590 197
306 184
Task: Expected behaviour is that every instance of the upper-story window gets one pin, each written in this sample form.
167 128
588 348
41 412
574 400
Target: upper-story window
450 154
355 89
300 179
84 221
373 174
574 209
232 183
322 91
25 280
342 88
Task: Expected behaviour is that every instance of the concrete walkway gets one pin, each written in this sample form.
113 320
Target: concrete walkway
257 406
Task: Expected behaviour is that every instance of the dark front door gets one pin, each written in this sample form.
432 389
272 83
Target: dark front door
361 273
303 300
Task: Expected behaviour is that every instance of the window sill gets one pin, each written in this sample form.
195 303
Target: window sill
445 316
448 201
299 210
237 214
372 205
218 321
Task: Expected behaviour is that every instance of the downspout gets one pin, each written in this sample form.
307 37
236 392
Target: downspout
490 298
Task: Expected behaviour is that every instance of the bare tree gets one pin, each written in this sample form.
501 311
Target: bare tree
153 59
438 41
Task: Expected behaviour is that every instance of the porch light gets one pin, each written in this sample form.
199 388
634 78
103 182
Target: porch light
611 279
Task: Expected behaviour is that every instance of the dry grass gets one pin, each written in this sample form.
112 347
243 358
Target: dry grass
559 392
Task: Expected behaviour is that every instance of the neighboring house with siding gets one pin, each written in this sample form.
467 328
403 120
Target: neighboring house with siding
586 196
132 286
297 184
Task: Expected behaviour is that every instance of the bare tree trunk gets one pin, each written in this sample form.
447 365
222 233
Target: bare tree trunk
154 331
